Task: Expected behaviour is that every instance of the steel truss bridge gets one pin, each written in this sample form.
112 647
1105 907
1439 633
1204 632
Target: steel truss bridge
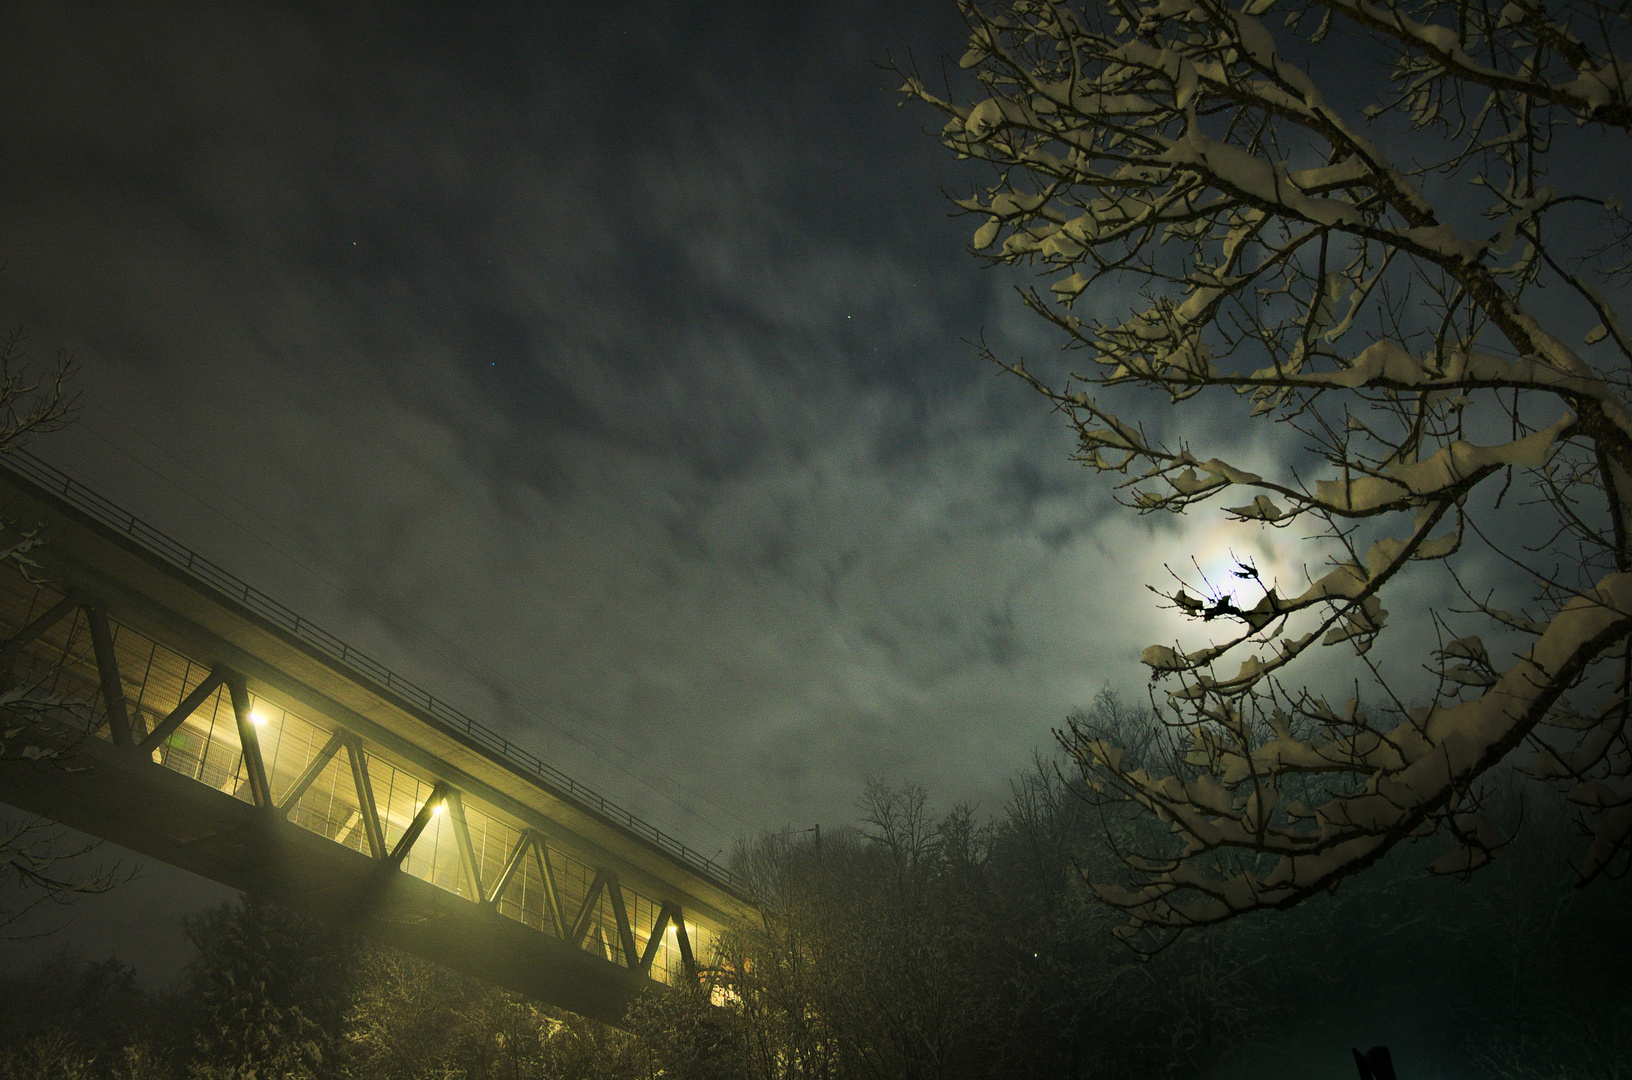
232 738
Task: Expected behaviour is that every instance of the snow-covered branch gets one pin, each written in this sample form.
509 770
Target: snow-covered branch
1293 267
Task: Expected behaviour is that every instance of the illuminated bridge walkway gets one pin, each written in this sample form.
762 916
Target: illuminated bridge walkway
235 740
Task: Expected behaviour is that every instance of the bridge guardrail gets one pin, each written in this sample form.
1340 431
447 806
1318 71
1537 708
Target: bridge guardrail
333 648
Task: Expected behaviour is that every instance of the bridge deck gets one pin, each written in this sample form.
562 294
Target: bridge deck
232 740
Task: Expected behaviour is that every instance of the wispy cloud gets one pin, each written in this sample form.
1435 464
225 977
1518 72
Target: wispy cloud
639 423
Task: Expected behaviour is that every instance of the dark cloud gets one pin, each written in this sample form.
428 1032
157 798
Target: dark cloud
604 370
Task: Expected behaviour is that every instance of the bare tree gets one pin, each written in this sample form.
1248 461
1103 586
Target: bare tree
36 725
36 861
32 403
1305 245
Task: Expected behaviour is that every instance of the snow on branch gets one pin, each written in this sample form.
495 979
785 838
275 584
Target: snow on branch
1292 272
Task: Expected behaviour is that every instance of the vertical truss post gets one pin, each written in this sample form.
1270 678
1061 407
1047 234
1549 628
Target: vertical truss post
467 850
250 741
107 665
365 799
417 826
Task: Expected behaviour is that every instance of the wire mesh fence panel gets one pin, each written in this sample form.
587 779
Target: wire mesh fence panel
605 926
151 695
435 855
289 743
188 749
134 655
667 965
60 664
222 766
491 842
524 899
54 675
330 807
642 920
573 877
398 794
705 944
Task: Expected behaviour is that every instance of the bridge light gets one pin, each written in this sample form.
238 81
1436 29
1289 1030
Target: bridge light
437 809
258 719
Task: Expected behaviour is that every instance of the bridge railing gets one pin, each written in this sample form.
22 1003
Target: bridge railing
356 662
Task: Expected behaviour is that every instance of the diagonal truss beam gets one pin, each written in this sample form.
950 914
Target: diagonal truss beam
189 705
669 913
405 844
552 895
534 842
626 937
607 881
249 741
107 666
586 912
52 616
688 960
467 850
365 799
511 865
314 769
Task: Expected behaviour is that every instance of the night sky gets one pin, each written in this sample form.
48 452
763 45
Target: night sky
610 373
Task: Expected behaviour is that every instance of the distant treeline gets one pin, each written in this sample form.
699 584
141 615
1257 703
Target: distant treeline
920 944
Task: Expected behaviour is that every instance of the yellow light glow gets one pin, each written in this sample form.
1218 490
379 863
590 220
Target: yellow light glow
258 719
437 809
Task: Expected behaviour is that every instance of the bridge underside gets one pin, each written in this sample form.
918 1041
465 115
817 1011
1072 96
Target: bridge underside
150 698
106 791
